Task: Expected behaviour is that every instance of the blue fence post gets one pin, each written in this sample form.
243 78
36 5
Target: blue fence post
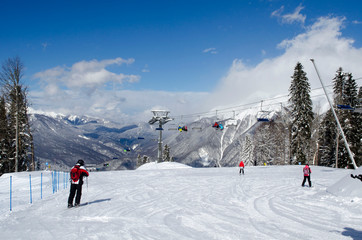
58 180
31 197
11 187
53 180
41 186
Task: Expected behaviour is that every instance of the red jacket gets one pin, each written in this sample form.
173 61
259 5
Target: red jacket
307 171
241 164
82 173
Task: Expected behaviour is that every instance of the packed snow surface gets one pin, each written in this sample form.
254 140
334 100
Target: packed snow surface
173 201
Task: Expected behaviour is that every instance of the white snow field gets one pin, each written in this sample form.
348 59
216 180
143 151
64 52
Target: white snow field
173 201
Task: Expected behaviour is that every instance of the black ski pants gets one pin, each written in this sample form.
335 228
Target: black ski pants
75 189
305 178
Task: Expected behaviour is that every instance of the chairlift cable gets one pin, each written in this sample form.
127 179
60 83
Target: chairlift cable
245 106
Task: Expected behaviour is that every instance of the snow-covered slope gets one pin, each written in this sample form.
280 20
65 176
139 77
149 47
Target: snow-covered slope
347 186
187 203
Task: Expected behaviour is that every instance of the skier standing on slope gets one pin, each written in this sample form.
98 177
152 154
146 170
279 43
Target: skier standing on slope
241 166
307 171
76 174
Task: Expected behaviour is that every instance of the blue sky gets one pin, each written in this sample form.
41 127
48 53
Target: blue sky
122 58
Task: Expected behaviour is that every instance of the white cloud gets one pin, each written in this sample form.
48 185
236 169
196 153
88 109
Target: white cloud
278 13
210 50
290 18
322 41
85 74
117 104
80 89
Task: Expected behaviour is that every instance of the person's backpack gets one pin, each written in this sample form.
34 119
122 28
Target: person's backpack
75 174
306 171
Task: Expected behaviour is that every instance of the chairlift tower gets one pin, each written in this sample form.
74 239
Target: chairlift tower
335 117
160 116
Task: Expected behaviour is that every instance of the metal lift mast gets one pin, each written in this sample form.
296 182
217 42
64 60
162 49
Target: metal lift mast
335 116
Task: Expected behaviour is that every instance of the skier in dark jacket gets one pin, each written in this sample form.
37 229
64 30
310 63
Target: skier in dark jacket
77 174
357 176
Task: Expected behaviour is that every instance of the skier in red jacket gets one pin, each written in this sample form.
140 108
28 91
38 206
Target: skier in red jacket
307 171
76 174
241 166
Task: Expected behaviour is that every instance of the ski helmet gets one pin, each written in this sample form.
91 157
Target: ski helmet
80 162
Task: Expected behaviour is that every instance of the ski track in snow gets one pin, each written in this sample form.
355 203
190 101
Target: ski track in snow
212 203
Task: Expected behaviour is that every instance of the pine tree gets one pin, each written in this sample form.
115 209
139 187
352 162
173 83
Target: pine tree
4 139
345 93
21 150
327 140
302 115
139 160
352 119
358 154
247 152
166 154
338 83
18 109
264 145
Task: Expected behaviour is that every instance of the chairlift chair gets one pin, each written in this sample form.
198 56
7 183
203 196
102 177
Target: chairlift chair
196 128
126 149
263 116
182 128
344 107
231 123
172 127
218 125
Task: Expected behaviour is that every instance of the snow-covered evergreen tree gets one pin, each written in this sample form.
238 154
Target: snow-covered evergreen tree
352 119
21 152
247 152
264 145
346 93
358 155
139 160
327 140
5 164
166 154
302 115
18 108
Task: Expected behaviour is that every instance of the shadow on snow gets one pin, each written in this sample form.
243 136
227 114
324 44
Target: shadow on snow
354 234
95 201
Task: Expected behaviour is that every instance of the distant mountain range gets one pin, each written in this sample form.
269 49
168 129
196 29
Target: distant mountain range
61 140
